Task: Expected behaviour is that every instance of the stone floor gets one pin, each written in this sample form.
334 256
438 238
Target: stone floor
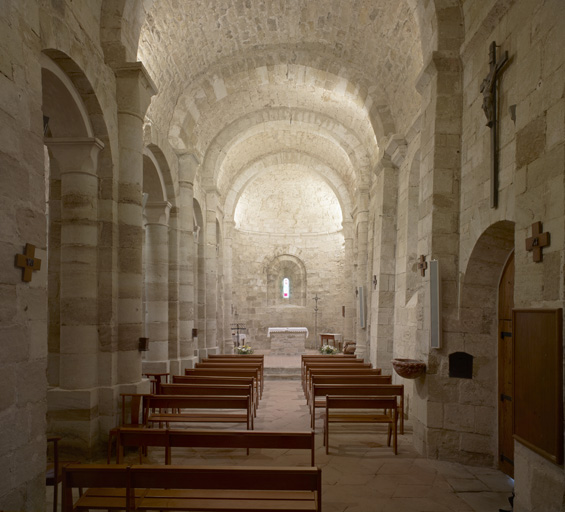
360 474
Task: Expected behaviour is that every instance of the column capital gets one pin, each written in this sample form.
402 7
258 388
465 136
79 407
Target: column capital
134 89
157 212
439 62
79 154
189 163
395 148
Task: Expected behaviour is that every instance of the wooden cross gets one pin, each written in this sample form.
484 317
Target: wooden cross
28 262
422 265
537 241
490 93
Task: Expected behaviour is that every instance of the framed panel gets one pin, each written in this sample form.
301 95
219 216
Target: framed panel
538 381
435 305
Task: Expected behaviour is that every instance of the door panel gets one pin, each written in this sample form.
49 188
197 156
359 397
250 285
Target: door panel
505 375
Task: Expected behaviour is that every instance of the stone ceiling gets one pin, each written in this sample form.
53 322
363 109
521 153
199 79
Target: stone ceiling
250 84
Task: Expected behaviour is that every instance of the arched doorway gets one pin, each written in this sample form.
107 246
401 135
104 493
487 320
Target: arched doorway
505 372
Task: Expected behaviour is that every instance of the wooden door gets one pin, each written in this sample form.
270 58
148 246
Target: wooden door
505 374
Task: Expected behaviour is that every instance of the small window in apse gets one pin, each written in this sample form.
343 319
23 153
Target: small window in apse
286 288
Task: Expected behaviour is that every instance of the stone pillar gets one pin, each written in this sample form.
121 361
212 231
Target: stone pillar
229 226
440 88
173 284
134 92
157 286
384 192
211 259
349 298
188 167
361 226
76 398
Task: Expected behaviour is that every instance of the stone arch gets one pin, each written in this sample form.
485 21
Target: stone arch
245 126
478 331
328 173
78 166
293 268
120 26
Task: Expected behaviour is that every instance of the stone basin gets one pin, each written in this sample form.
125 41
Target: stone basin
409 368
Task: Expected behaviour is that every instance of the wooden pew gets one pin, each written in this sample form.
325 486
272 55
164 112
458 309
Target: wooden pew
209 409
363 370
226 372
384 390
209 389
239 360
194 488
345 379
307 361
354 364
230 365
362 406
209 379
169 439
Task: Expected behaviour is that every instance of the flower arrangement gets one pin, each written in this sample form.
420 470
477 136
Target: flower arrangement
328 349
244 349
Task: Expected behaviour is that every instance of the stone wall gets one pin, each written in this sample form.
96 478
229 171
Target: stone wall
322 257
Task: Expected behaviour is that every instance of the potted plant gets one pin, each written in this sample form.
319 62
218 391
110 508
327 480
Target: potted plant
328 349
244 349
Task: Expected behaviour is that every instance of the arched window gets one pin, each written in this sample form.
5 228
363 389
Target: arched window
286 288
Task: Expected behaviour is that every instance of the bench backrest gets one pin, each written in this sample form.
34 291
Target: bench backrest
209 379
360 402
351 379
96 476
206 389
200 402
221 371
166 438
129 478
222 364
226 477
392 390
244 439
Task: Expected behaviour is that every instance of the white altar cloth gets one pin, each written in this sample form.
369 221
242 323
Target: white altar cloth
287 329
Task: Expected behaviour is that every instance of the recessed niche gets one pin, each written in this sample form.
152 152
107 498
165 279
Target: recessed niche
461 365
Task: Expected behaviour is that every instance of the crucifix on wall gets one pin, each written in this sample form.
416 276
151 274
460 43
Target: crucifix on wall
28 262
537 242
490 92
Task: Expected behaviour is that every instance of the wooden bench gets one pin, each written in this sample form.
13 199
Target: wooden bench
201 409
345 379
226 372
306 361
340 371
193 488
364 409
209 379
230 365
238 358
353 364
209 389
384 390
143 438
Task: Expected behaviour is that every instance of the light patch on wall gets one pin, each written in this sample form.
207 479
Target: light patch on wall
288 199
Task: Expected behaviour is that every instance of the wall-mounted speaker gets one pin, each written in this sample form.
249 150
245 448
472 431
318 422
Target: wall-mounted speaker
435 305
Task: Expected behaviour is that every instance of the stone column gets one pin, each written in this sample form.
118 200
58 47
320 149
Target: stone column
361 226
134 92
173 284
384 263
440 88
229 226
76 398
157 286
211 259
188 167
349 298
